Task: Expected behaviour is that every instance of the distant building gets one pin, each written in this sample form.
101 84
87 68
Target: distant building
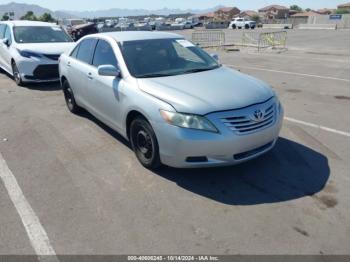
248 14
305 14
344 7
206 17
274 12
325 11
226 13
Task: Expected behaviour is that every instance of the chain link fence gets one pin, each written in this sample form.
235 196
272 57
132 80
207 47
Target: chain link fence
209 38
265 40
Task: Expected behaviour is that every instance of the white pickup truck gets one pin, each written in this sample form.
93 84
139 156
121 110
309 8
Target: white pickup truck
242 23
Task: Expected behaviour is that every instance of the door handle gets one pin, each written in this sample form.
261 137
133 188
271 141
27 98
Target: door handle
68 64
90 76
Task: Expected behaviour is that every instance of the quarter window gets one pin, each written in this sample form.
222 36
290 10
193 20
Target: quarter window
86 50
2 30
104 54
8 34
75 52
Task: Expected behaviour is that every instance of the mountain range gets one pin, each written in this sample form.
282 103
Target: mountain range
21 9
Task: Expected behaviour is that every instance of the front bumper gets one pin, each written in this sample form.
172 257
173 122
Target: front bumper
38 70
187 148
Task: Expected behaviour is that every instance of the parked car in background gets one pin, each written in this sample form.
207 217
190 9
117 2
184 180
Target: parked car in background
29 51
242 23
175 103
82 30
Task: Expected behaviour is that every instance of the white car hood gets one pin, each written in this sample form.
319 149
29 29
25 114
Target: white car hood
47 48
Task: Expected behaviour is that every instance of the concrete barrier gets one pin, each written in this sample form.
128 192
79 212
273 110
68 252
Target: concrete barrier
318 26
278 26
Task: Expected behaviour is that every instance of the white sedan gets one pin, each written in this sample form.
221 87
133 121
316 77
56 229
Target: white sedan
29 51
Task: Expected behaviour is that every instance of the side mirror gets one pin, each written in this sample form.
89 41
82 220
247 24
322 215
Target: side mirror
6 42
108 70
215 56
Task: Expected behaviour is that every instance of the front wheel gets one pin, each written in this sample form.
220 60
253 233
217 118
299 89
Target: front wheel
16 74
144 143
246 26
234 26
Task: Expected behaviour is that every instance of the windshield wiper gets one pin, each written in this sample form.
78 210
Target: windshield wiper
196 70
154 75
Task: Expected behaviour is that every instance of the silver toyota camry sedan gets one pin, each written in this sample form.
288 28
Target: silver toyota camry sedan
176 104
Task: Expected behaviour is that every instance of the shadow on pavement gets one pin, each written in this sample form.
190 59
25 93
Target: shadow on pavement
49 86
290 171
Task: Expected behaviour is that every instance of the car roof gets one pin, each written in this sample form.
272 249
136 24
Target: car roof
139 35
28 23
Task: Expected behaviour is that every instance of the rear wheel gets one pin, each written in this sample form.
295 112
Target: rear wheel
69 97
144 143
16 74
234 26
246 26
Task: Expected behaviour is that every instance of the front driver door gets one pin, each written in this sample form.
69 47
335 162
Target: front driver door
105 92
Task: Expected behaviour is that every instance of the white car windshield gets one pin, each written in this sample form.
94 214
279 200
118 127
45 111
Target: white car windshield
40 34
165 57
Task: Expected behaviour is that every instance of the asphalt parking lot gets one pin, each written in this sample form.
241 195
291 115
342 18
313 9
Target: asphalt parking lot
87 193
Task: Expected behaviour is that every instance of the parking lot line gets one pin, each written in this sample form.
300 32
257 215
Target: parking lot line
35 231
317 126
290 73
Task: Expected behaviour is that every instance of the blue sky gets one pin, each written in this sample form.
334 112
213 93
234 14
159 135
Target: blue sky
81 5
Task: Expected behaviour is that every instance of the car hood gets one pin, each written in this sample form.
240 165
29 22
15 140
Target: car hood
47 48
209 91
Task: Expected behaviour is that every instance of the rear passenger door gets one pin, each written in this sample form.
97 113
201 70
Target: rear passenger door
79 67
105 91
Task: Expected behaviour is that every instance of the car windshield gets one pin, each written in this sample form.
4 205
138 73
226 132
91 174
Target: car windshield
165 57
40 34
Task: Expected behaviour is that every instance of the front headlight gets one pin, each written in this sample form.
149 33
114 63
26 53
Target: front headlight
278 104
188 121
28 54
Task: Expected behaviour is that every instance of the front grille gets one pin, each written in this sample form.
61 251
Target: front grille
246 121
52 57
46 72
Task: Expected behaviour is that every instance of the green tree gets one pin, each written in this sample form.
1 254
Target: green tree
296 8
308 9
5 17
29 16
47 17
256 18
342 11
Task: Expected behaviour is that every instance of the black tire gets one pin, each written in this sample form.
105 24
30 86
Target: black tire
69 97
246 26
234 26
16 75
144 143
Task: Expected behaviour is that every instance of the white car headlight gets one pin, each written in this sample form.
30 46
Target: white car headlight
188 121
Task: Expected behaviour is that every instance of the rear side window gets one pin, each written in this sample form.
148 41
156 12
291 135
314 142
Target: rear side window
86 50
2 31
104 54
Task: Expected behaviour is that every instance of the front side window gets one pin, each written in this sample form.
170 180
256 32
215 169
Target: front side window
40 34
86 50
165 57
104 54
